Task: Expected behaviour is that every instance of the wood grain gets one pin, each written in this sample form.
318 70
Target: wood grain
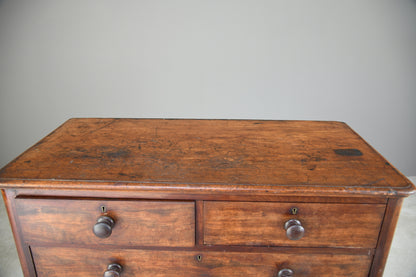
326 225
203 198
199 221
175 193
158 223
203 152
386 236
22 248
90 262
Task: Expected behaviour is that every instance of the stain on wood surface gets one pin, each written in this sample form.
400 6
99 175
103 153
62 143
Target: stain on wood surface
234 152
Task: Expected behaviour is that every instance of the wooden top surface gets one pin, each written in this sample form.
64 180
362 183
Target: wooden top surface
293 157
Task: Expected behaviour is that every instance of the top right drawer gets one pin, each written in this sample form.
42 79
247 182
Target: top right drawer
292 224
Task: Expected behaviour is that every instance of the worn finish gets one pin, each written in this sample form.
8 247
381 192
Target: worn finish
259 223
155 197
136 222
179 192
386 236
185 263
285 155
22 248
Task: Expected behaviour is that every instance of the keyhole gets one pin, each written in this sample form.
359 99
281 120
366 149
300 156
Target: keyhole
103 209
294 210
199 258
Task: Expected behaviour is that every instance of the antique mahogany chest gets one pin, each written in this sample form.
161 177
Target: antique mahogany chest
156 197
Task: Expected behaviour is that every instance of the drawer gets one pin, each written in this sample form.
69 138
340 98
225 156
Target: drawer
61 262
148 223
262 223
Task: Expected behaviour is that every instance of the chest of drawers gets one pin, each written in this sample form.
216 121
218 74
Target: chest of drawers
155 197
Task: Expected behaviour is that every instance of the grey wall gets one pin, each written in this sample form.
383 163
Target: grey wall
353 61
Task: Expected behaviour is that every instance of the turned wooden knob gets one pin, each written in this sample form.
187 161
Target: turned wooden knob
104 227
113 270
294 229
285 273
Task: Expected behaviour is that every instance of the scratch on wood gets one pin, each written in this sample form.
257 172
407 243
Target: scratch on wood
102 127
374 182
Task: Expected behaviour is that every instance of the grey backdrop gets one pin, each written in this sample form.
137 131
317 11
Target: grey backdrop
353 61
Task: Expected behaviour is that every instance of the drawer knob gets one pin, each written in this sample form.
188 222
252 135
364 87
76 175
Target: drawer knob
294 229
113 270
104 226
285 273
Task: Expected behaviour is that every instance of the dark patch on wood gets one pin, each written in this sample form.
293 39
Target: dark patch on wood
348 152
225 152
121 153
374 182
80 149
88 157
312 158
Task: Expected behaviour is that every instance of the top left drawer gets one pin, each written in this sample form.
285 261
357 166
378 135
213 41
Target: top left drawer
136 223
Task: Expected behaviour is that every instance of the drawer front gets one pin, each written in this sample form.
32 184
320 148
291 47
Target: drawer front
148 223
260 223
61 262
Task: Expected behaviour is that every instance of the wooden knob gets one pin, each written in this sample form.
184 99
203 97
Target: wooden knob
285 273
104 226
294 229
113 270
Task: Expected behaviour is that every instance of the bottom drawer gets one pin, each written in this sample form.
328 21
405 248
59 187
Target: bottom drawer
56 261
